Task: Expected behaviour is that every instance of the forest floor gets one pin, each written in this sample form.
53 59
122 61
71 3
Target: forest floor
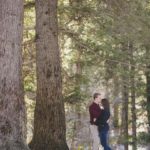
81 137
116 146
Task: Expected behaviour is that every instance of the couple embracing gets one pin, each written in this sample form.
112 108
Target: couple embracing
99 121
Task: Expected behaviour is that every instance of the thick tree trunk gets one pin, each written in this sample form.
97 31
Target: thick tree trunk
12 105
49 123
133 108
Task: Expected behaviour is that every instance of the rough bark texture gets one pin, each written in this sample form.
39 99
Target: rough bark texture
49 123
12 106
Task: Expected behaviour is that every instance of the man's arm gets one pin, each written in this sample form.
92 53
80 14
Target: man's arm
95 114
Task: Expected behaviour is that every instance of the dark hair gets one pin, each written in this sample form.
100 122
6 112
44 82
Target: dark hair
95 95
105 103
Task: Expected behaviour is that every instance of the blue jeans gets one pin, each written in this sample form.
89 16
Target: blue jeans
104 139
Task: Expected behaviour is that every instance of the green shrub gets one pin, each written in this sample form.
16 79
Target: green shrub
143 138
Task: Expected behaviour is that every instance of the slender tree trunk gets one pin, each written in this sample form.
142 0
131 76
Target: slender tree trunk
125 116
116 105
148 86
49 123
125 97
78 75
133 108
148 94
73 146
116 116
76 128
77 123
12 105
133 111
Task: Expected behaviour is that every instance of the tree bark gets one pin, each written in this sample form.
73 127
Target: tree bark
125 96
49 123
12 105
116 105
148 86
78 75
125 116
133 98
148 94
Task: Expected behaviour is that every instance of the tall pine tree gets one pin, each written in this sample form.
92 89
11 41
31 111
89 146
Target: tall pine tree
12 106
49 123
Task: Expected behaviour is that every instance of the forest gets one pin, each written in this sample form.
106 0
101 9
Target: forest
55 54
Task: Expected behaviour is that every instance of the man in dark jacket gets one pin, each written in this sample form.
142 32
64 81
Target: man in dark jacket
95 112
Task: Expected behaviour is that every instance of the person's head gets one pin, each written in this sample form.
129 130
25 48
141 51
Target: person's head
105 103
97 97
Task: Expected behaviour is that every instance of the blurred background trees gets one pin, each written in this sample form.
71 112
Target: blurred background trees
104 47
